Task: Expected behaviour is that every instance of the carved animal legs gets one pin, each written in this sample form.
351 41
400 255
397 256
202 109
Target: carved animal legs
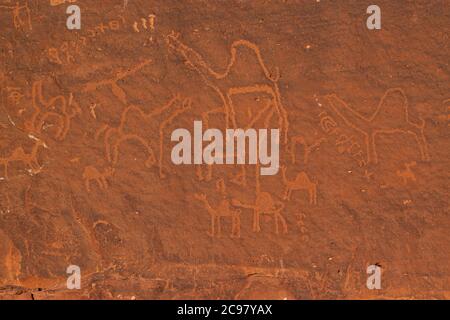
87 184
5 165
287 193
279 218
236 226
256 225
421 142
312 194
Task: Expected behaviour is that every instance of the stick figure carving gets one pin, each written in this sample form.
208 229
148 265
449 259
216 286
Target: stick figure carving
223 210
390 117
301 182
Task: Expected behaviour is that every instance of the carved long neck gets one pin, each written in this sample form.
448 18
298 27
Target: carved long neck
195 60
347 114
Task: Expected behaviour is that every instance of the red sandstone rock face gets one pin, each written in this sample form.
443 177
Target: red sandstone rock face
87 179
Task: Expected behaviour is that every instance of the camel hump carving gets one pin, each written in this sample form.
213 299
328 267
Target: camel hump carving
265 204
301 182
226 89
222 210
407 174
390 116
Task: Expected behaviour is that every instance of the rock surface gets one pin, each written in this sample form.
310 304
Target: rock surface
86 177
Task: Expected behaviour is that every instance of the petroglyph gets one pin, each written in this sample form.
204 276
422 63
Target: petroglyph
115 136
102 28
307 149
10 260
220 81
145 24
29 159
58 2
92 110
407 174
221 186
115 88
301 182
56 108
223 210
14 95
65 54
368 175
343 143
445 118
265 204
346 144
21 16
186 105
5 203
327 123
300 220
389 117
91 173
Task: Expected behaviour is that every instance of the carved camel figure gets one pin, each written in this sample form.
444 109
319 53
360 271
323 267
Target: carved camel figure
264 204
389 117
301 182
224 84
223 210
30 159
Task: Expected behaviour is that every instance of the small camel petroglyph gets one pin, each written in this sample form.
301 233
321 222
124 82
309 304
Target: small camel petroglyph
91 173
265 204
29 159
223 210
301 182
407 174
20 22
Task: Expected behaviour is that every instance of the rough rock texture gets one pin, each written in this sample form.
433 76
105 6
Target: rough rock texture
86 176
